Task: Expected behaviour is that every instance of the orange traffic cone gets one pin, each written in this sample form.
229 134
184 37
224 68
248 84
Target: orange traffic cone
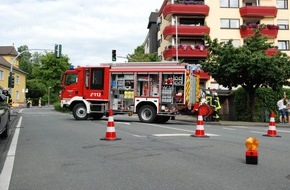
111 133
199 132
272 127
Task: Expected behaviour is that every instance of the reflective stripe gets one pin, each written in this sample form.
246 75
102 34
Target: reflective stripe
199 127
273 128
110 129
199 118
111 118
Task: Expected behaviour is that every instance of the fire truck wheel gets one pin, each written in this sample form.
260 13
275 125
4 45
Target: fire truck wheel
80 112
161 119
147 114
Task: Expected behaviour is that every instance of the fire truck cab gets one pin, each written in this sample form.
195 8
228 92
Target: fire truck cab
154 91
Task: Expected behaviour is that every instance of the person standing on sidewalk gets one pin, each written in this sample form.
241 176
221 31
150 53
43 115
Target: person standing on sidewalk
282 112
288 109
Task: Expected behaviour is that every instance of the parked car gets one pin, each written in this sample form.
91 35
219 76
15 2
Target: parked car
4 116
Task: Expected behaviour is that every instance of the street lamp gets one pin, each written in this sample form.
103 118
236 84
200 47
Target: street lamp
48 96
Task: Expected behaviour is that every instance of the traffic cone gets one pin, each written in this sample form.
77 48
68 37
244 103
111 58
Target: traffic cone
111 133
199 132
272 127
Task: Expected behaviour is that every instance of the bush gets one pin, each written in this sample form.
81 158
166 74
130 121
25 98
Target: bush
57 107
265 102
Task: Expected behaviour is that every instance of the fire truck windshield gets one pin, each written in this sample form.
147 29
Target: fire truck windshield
71 79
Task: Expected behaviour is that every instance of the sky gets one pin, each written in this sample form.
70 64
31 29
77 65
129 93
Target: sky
88 30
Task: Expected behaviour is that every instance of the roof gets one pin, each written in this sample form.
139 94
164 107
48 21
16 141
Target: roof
8 50
6 64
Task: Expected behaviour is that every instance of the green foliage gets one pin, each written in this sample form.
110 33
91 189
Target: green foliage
58 107
247 66
43 73
266 102
140 56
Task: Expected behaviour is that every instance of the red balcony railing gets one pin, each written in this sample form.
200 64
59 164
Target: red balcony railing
271 31
258 11
185 30
185 9
186 51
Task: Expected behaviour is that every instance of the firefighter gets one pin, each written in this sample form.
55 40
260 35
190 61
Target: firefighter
216 107
7 94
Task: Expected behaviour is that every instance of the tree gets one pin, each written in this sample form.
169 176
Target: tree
24 60
43 72
49 71
140 56
247 66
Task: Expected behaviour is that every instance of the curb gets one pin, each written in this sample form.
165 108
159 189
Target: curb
231 123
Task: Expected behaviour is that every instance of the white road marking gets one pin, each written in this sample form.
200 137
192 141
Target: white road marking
283 131
240 127
6 174
257 132
140 136
125 123
20 111
177 129
231 129
171 135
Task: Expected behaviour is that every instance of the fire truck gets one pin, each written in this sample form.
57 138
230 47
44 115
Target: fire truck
155 91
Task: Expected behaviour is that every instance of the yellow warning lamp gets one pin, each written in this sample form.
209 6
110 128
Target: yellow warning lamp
252 143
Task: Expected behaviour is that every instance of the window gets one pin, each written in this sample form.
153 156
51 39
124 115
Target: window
17 80
1 75
282 4
17 95
97 79
283 44
192 21
71 79
230 23
236 42
283 24
229 3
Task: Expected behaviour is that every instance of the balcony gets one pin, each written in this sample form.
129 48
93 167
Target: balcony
185 30
202 74
185 9
188 51
271 31
258 11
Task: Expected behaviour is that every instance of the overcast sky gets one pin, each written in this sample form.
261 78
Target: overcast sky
87 29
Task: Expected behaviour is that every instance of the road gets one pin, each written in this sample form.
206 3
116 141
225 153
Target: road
54 151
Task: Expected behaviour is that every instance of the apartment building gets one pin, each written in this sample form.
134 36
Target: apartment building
181 25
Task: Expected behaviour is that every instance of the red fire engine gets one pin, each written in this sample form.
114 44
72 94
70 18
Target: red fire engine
154 91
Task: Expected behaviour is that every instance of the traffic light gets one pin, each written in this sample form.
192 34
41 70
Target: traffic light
114 55
11 80
57 50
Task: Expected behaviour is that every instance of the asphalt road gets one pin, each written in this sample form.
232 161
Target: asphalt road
54 151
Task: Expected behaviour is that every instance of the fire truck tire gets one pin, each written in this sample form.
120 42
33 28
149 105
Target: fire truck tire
80 112
97 116
147 114
161 119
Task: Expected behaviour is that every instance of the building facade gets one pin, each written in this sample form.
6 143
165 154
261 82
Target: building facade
181 25
7 55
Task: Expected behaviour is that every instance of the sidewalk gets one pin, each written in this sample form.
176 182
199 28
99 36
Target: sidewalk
230 123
